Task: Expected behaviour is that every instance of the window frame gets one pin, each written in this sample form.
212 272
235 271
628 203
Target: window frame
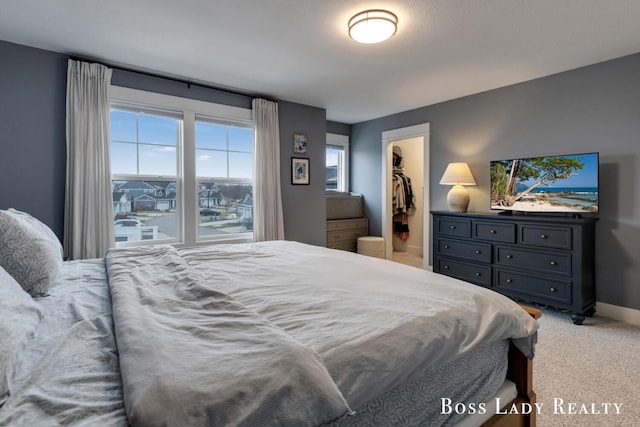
342 141
187 202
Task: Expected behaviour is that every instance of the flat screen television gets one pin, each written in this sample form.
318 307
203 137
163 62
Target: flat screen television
552 184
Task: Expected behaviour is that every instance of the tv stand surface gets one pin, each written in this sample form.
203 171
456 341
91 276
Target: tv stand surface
575 215
547 260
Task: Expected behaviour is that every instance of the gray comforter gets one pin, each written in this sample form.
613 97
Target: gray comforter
193 356
282 333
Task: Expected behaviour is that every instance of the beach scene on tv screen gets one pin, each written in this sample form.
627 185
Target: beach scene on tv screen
546 184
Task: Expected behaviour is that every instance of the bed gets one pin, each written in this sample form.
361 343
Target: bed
269 333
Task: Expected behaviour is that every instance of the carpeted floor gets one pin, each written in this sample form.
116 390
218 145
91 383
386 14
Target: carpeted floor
407 258
591 365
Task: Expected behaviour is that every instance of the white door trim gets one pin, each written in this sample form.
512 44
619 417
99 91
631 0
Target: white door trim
388 136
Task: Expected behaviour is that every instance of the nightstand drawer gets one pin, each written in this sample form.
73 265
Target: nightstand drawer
454 227
474 273
548 262
480 252
340 235
505 233
548 237
538 287
344 245
344 224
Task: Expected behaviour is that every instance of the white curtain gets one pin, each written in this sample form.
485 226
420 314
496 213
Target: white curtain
268 222
88 218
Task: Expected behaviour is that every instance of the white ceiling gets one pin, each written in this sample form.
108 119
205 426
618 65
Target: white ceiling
299 50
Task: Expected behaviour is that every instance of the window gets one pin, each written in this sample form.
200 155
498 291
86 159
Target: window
182 170
224 170
337 165
145 144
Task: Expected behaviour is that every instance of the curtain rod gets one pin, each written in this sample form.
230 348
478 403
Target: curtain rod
173 79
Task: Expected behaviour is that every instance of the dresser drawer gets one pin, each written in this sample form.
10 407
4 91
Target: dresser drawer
495 232
480 252
538 287
454 227
474 273
343 235
548 237
344 224
548 262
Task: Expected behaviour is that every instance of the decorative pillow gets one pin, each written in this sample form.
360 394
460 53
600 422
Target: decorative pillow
29 251
19 316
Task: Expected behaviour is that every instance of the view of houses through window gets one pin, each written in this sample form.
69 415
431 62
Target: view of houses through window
144 210
224 167
145 147
146 151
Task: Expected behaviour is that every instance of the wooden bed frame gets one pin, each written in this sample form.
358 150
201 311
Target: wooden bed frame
520 371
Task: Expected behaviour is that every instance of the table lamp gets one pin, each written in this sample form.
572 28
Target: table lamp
457 174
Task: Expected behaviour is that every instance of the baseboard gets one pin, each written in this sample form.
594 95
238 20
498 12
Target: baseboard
623 314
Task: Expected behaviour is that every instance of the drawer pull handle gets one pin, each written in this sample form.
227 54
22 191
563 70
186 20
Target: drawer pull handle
478 274
552 289
509 280
509 256
543 236
492 231
453 227
553 263
446 267
478 252
446 246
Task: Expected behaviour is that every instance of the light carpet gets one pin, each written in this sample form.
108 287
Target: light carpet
591 365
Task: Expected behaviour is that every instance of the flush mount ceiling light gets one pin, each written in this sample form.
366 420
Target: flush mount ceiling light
373 26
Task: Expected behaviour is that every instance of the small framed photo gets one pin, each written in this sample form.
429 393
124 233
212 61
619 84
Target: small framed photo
300 143
299 171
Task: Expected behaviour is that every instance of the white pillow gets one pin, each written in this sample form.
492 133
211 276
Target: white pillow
29 251
18 320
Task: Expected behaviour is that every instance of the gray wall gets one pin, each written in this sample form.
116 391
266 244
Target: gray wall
338 128
304 205
595 108
33 145
32 128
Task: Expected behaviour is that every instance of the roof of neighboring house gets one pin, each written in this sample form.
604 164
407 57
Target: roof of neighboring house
247 201
160 185
118 195
136 185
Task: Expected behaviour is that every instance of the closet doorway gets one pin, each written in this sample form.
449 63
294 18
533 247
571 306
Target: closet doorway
407 237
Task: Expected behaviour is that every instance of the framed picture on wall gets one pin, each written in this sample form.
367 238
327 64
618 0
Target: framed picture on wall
300 143
299 171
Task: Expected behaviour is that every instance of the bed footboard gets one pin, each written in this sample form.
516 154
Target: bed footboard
520 371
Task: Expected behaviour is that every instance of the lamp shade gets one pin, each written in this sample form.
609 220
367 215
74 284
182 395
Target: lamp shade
457 174
373 26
